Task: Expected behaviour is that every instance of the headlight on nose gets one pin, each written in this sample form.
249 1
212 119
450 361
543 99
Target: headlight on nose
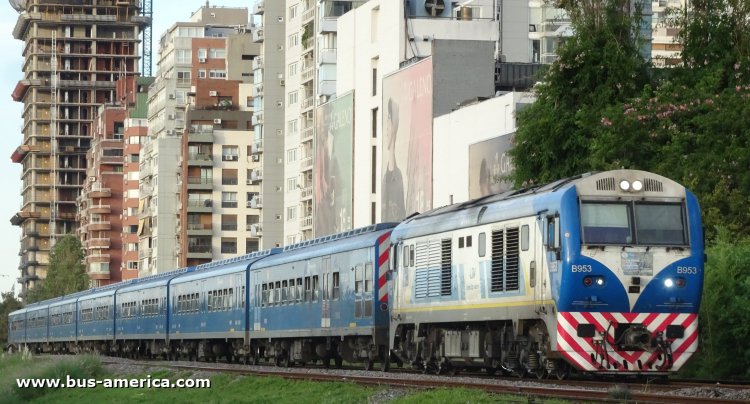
625 185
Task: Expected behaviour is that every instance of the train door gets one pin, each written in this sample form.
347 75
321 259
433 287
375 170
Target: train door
236 288
325 319
257 300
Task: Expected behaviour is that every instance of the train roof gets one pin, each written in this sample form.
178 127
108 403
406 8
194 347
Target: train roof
235 264
346 241
154 280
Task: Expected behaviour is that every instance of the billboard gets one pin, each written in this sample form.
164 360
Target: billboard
406 185
333 193
489 164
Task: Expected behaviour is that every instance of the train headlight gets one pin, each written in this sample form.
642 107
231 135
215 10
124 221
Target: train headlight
599 281
625 185
668 282
593 280
680 282
637 185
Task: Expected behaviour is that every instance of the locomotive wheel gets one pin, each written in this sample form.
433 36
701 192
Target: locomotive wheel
368 363
385 360
563 372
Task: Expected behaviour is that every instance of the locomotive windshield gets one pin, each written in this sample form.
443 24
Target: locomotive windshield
633 223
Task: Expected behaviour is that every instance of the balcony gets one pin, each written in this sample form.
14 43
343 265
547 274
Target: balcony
308 103
228 204
229 226
200 206
308 73
144 253
199 183
97 258
199 229
327 25
258 35
308 15
200 159
202 135
327 56
306 222
306 192
306 163
98 243
255 203
200 251
100 209
98 270
98 191
99 226
308 45
307 134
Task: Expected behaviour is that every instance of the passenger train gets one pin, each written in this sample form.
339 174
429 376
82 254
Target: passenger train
600 273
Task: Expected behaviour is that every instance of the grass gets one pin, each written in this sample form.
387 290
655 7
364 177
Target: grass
224 388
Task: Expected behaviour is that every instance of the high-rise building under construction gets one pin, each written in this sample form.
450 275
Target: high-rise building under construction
74 52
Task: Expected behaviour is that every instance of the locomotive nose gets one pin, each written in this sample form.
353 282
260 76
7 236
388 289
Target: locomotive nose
635 338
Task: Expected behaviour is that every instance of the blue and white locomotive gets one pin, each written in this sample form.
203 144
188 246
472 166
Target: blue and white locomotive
601 273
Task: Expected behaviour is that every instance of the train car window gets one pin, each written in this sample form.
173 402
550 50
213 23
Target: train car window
335 282
405 254
291 291
482 246
660 224
525 237
460 242
277 293
271 294
315 288
265 296
308 291
284 291
299 290
326 294
411 255
606 223
468 241
358 284
368 277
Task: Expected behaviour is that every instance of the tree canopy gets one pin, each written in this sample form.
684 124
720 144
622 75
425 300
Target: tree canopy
66 273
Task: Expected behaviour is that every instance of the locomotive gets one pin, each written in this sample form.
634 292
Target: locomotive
599 273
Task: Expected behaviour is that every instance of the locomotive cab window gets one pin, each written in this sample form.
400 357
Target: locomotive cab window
633 223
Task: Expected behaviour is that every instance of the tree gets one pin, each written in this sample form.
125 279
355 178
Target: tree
8 305
66 273
598 66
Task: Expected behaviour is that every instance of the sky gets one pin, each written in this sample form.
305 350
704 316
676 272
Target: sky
166 13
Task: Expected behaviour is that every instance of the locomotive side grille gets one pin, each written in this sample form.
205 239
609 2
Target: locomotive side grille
511 259
498 245
652 185
606 184
505 260
445 268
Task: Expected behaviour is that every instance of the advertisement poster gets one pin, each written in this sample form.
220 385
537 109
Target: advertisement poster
489 165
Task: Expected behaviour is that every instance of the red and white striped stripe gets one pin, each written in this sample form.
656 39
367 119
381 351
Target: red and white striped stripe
578 350
384 250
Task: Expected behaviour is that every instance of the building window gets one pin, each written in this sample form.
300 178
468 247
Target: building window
182 56
202 53
294 39
133 265
292 11
228 199
183 78
291 184
217 53
230 153
201 73
293 69
291 127
217 74
291 213
293 97
291 155
228 245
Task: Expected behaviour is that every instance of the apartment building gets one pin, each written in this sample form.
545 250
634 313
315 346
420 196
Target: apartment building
269 105
74 52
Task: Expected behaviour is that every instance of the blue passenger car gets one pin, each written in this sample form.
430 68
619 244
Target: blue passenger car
17 329
96 320
62 323
209 311
37 325
142 315
321 300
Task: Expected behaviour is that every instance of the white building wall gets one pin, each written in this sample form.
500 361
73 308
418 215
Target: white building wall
376 35
453 133
164 248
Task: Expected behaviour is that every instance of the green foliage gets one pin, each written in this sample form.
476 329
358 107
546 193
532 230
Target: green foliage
9 304
724 317
66 273
598 66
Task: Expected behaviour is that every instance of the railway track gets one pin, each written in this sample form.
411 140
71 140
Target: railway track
574 390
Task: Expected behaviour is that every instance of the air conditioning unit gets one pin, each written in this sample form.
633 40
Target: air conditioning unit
92 178
255 158
279 104
171 96
217 121
201 60
282 82
279 132
213 93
